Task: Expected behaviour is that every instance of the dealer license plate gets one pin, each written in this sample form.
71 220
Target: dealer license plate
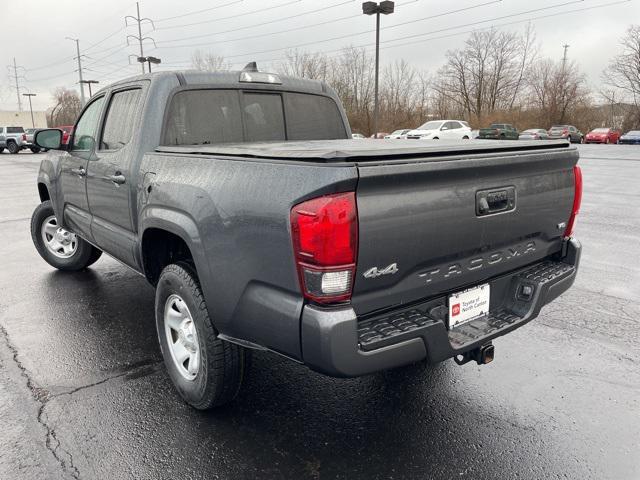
469 304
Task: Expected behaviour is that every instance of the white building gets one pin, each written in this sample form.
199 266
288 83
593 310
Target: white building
22 119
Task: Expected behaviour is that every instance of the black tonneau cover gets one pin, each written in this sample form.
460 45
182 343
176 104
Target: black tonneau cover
363 150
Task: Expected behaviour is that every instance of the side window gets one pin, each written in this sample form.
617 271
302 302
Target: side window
121 118
202 117
454 125
263 117
84 137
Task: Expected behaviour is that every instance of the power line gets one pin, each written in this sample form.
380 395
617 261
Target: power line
459 10
422 41
259 10
277 20
195 12
339 37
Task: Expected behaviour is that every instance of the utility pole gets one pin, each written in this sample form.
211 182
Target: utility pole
15 75
564 56
139 38
33 123
79 68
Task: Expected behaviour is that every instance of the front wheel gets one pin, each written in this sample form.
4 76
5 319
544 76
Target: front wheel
207 371
35 149
13 147
60 248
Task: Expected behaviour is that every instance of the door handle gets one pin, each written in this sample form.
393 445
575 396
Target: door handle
118 178
81 172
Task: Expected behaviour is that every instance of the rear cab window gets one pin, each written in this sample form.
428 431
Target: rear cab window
211 116
15 130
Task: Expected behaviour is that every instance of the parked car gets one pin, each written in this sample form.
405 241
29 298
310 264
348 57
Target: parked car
499 131
262 225
445 129
67 130
566 132
12 138
534 134
27 137
358 136
397 134
603 135
631 137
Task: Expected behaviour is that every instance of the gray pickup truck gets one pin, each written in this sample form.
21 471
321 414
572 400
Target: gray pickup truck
243 199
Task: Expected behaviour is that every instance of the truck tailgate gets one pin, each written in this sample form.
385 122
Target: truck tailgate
441 224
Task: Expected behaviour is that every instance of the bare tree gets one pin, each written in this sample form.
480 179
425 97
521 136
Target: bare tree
66 108
622 76
306 65
487 73
209 62
557 91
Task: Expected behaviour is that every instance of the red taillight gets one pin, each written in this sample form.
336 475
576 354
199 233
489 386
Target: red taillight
24 137
577 200
565 132
325 243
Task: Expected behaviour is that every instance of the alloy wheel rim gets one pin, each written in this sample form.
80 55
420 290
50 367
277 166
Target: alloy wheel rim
182 337
57 240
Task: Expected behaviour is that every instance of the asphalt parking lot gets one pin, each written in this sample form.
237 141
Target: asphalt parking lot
84 393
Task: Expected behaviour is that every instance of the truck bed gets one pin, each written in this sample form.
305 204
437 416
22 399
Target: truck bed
333 151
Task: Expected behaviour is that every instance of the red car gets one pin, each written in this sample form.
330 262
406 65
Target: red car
602 135
66 133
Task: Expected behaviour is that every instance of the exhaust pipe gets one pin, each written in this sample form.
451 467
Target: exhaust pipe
482 355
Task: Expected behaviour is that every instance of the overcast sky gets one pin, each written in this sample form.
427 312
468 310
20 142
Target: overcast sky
35 35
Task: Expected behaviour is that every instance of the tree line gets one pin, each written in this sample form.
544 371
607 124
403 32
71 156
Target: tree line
495 76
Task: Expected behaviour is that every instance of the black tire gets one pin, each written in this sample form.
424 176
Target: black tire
223 365
465 138
35 149
1 149
435 138
13 147
84 255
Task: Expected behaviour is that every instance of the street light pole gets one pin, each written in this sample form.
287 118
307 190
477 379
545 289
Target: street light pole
33 123
149 61
371 8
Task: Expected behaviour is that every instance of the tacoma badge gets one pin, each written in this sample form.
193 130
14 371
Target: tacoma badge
374 272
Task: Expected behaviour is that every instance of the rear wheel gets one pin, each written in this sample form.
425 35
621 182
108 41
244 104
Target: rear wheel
13 147
207 371
60 248
35 149
465 138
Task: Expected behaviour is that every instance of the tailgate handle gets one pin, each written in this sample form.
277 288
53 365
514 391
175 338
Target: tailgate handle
495 200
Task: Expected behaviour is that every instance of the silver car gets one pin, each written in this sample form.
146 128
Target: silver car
534 134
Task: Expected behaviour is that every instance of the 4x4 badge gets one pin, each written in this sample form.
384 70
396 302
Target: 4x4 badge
375 272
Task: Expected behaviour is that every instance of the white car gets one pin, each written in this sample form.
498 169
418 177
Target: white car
442 129
357 136
398 133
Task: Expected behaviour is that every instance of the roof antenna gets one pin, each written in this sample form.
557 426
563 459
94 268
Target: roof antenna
250 67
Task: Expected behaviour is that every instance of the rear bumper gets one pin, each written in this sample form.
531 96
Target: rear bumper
337 343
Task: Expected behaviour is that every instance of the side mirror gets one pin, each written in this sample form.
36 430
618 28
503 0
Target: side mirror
49 138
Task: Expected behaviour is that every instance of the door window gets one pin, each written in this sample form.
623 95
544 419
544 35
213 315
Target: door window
121 118
263 117
84 137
